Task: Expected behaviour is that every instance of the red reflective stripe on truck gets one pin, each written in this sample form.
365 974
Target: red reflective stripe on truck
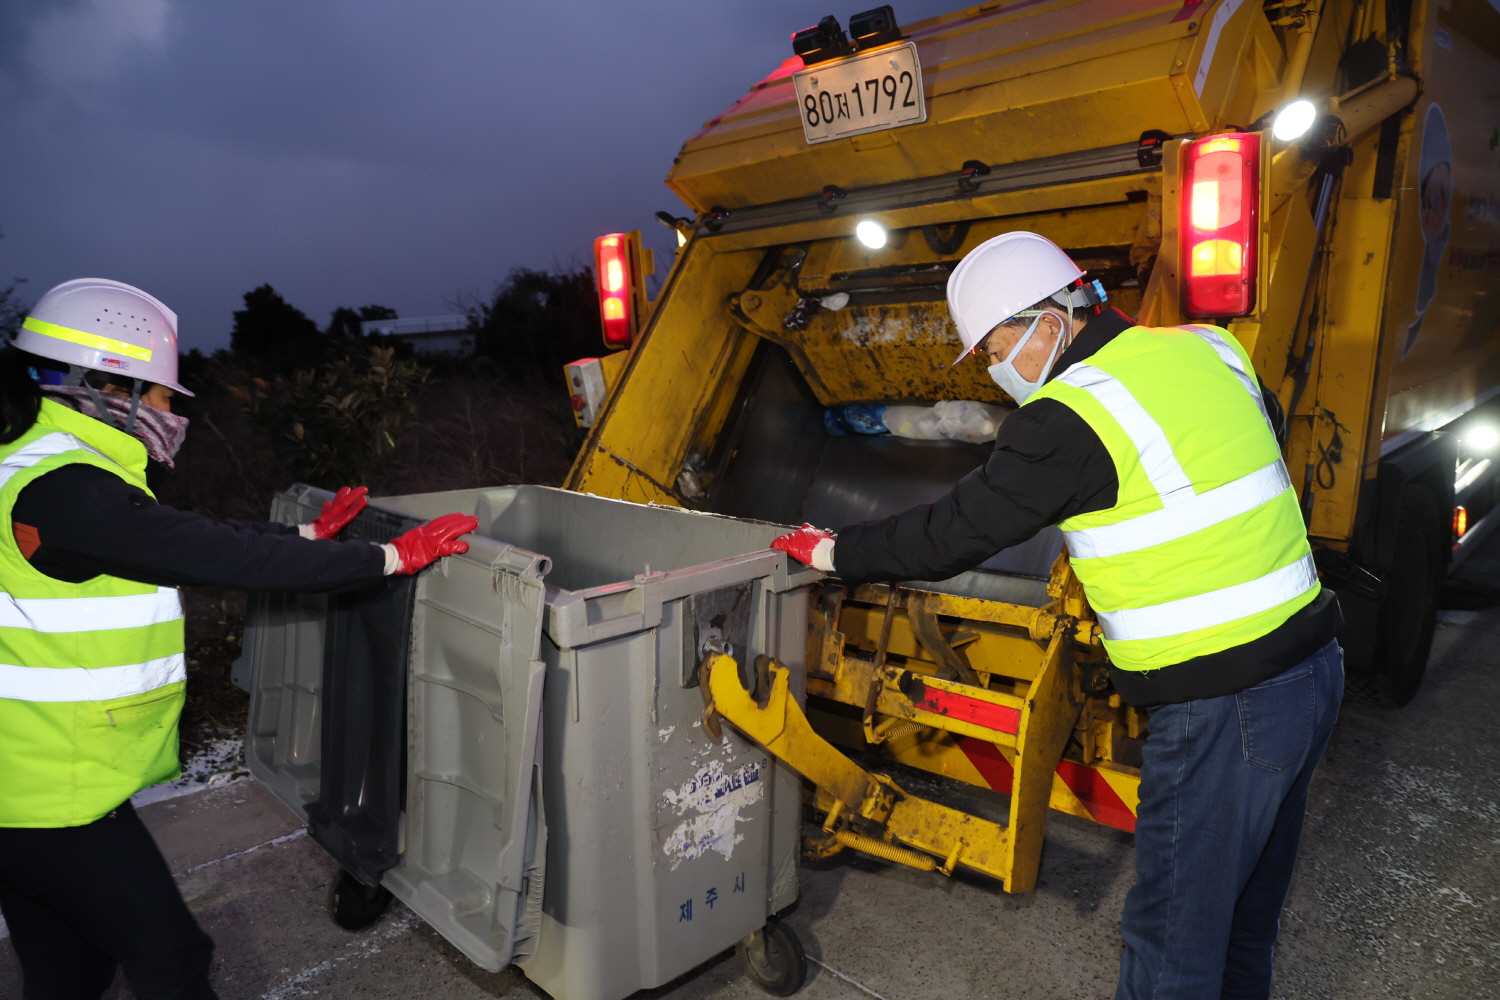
989 762
1090 785
1097 795
1000 718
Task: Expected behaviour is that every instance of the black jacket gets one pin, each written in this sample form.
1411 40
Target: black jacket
1049 465
84 521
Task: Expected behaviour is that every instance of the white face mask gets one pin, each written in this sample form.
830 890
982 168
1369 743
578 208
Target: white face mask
1005 374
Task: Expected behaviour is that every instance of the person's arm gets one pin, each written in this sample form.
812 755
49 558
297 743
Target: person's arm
262 527
1048 465
1274 413
88 522
337 512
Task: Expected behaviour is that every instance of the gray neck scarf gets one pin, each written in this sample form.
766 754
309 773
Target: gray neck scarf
161 432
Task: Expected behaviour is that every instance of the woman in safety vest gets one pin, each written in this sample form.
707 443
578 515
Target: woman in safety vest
92 672
1157 452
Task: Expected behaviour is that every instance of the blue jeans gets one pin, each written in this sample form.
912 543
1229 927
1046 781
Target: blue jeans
1223 792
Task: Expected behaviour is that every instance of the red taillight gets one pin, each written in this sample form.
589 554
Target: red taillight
612 255
1220 224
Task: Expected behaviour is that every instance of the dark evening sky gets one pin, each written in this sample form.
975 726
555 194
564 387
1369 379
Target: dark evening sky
354 151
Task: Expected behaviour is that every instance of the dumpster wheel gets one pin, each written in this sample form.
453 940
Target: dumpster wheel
773 959
354 905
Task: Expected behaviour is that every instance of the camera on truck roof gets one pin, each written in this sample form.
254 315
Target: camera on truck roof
826 40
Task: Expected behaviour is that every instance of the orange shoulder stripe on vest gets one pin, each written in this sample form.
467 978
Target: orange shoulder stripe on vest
27 538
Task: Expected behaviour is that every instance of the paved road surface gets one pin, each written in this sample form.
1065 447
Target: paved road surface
1397 893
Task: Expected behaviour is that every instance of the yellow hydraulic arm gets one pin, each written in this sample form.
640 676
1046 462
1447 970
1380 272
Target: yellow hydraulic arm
870 812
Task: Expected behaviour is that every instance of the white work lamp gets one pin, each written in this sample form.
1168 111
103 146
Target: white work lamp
1293 121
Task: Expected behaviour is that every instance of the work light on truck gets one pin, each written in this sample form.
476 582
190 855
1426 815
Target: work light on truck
616 283
1293 121
1220 221
872 28
823 41
871 234
1482 438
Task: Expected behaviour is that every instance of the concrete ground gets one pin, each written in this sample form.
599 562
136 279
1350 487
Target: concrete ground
1397 893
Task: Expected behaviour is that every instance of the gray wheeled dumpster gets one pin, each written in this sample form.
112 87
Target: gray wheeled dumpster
511 743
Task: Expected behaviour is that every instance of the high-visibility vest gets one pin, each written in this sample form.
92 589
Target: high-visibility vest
1205 548
92 674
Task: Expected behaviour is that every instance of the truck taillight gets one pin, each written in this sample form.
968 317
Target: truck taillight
612 267
1220 224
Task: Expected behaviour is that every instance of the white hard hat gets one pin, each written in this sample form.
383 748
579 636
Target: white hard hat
107 326
1001 277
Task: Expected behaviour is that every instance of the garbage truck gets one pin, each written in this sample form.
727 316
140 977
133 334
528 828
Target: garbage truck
1319 177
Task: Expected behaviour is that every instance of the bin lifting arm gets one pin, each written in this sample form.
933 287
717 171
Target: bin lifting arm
871 813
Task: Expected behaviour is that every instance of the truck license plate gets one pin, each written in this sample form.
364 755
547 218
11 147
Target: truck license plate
863 93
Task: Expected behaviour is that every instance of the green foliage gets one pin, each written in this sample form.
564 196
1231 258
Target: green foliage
344 324
273 336
331 425
538 321
13 310
345 330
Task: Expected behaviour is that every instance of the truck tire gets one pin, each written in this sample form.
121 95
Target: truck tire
1408 614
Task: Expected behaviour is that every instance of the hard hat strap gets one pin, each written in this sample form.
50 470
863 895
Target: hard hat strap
78 376
1082 294
135 405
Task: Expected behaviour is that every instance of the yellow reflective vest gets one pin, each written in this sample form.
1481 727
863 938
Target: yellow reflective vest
92 674
1205 547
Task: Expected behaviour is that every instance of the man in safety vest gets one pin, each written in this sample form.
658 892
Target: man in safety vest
1156 451
92 674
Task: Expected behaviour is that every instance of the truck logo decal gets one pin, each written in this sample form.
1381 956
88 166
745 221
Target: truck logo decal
1435 194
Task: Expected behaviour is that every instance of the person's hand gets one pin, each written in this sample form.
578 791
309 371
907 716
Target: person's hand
808 545
424 545
343 508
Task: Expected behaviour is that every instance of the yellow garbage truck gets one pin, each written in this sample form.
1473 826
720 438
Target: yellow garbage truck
1320 177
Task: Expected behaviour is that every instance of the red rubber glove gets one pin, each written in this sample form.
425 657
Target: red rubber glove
803 546
343 508
424 545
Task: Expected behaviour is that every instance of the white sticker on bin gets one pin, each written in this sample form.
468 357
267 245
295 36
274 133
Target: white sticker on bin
714 797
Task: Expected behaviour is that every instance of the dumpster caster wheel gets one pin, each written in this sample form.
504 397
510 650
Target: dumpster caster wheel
773 959
354 905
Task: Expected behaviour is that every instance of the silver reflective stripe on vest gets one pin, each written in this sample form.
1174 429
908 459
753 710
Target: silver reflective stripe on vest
1213 608
1171 523
43 447
1157 460
89 614
1231 357
97 684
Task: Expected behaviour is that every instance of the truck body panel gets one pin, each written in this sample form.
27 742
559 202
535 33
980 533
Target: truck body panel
1443 332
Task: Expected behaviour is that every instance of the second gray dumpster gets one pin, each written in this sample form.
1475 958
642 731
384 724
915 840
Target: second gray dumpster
632 847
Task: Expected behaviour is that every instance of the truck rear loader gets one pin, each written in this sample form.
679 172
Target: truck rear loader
1321 178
